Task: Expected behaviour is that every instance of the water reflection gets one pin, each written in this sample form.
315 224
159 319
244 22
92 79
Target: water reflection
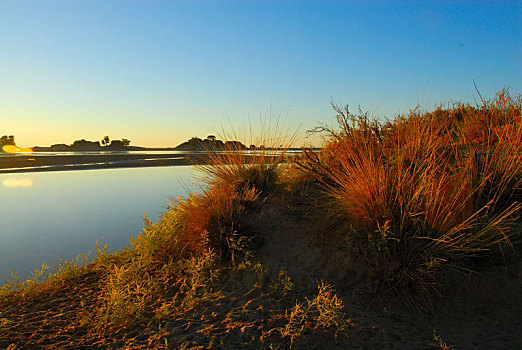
61 214
14 182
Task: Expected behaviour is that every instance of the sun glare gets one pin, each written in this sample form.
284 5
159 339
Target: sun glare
16 149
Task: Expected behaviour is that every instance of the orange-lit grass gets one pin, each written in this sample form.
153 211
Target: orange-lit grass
237 182
418 199
216 219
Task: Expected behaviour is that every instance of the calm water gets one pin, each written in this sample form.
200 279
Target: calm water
50 215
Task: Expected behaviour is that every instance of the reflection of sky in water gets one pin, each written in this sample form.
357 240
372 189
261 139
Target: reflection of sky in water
14 182
51 215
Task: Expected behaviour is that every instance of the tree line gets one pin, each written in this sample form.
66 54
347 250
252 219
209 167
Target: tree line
76 145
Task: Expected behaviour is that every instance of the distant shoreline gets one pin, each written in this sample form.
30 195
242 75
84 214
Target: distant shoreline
83 154
40 161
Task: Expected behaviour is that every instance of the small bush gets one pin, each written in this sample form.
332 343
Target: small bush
324 311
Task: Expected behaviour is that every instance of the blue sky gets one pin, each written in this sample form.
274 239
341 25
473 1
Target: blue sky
160 72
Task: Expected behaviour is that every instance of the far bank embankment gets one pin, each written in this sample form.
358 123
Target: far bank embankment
17 163
40 161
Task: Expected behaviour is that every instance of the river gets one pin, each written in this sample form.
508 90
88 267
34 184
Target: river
50 215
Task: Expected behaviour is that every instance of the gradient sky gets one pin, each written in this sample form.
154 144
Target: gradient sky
160 72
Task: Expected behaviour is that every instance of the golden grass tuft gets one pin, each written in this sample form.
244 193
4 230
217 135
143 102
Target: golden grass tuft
256 168
418 198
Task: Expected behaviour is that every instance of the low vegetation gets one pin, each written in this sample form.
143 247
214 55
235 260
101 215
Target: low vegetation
398 217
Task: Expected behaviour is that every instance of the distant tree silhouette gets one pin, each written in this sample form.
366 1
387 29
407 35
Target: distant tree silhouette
7 140
194 142
106 141
211 143
125 142
85 145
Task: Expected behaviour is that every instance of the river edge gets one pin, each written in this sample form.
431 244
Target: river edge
22 163
38 163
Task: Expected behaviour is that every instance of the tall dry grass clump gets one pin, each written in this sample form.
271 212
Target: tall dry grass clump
255 168
218 219
421 197
238 180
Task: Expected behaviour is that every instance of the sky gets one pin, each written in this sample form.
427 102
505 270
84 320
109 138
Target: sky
160 72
